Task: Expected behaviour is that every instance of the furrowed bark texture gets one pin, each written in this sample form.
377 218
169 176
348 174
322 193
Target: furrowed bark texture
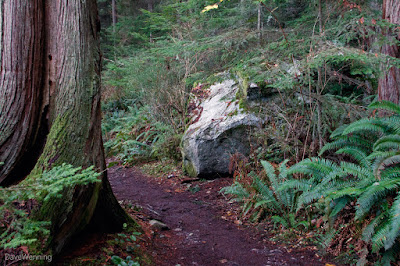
21 102
389 85
52 78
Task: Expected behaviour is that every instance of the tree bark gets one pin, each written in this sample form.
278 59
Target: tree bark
320 20
50 103
150 6
259 22
114 14
389 84
21 102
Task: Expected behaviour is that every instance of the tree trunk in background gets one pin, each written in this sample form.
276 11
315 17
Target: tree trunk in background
259 22
114 14
389 85
50 103
150 6
321 25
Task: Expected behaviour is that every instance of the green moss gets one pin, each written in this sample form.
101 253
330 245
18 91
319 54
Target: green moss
157 168
55 141
189 168
243 104
243 86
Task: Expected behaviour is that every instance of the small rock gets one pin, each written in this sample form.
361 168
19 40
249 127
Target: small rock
275 251
158 225
178 229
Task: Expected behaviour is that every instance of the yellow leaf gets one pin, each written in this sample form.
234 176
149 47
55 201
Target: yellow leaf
207 8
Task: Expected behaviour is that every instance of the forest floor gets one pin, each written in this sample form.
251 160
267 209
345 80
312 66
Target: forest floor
199 226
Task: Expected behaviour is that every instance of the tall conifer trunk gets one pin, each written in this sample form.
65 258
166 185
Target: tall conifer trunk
50 106
21 94
389 85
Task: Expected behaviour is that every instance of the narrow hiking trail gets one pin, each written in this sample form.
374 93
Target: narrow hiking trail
201 228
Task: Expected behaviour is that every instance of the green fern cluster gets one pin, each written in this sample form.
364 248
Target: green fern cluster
132 135
370 177
16 227
266 196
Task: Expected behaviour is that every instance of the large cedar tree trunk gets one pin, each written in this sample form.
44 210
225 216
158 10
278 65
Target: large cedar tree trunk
389 84
50 107
21 92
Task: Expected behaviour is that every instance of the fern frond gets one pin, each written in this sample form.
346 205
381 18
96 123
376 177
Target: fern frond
357 154
357 171
380 236
369 231
373 194
288 196
263 204
338 132
340 203
283 170
391 256
237 190
270 171
296 184
248 205
278 219
316 167
365 125
394 232
387 142
351 192
328 191
390 173
265 194
384 160
381 155
391 124
391 161
354 141
386 105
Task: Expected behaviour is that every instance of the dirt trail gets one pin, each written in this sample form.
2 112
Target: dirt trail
199 233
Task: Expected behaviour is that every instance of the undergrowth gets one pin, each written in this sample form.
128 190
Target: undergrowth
17 226
132 135
353 197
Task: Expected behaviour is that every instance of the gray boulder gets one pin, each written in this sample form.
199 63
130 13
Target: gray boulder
220 129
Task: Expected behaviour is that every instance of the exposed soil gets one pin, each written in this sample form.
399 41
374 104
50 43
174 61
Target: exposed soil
203 228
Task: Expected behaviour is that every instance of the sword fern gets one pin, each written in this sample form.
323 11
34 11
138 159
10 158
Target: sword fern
371 179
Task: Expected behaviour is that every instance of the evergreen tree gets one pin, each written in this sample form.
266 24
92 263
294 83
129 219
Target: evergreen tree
50 107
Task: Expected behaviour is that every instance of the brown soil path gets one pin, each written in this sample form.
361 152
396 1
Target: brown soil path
200 232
